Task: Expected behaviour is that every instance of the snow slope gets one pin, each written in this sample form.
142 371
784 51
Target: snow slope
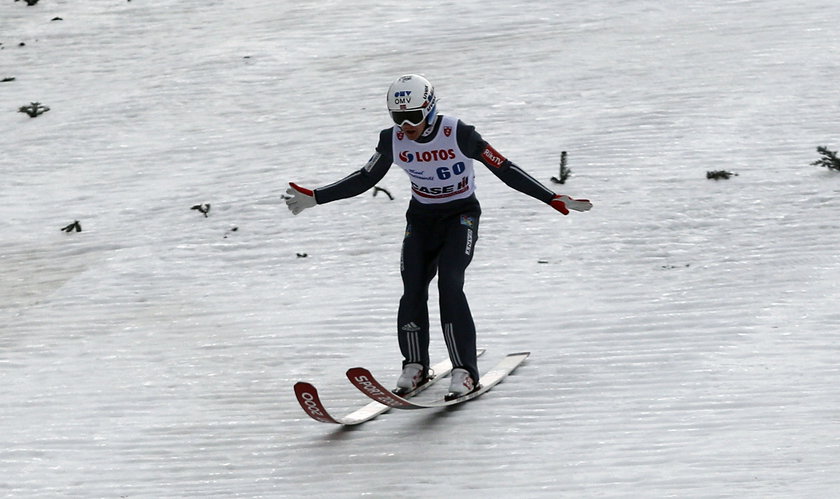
684 333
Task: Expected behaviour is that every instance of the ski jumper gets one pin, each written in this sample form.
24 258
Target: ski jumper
442 223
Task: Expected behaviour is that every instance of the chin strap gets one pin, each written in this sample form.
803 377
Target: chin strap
430 127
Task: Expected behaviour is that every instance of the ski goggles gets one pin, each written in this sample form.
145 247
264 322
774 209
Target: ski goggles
413 117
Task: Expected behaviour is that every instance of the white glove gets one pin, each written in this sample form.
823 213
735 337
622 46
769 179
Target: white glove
564 203
299 198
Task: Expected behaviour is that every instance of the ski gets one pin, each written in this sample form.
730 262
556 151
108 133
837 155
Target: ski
309 400
367 384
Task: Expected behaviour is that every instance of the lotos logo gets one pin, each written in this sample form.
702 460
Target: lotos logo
447 130
426 156
406 157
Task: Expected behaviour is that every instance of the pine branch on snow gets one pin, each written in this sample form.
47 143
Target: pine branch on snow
829 159
719 174
377 189
73 227
564 171
33 109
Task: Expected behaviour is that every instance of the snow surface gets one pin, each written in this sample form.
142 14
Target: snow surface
684 333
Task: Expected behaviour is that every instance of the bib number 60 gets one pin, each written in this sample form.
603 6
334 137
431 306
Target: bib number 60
445 172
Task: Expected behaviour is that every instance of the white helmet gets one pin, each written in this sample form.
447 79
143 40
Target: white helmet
412 98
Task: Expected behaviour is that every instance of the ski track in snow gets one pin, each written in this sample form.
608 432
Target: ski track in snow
684 333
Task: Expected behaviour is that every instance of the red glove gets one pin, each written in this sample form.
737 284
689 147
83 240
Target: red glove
564 203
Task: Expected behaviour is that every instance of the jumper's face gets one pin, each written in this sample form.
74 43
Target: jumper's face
413 132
